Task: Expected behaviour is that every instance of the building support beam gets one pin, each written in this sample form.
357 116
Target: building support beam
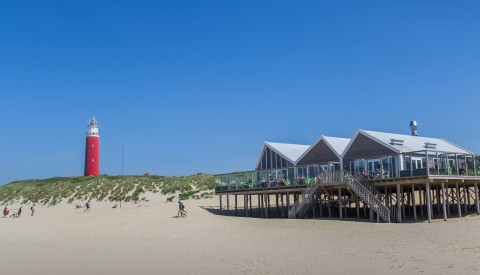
465 205
428 201
459 207
228 203
220 204
288 205
476 198
444 202
414 206
399 204
340 202
236 210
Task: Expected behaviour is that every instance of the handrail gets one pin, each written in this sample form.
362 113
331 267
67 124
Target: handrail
370 193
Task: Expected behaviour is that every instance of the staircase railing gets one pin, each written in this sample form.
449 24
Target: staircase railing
369 194
358 185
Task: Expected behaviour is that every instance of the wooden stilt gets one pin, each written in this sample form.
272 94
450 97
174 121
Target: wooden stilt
321 206
236 210
476 198
403 202
428 201
245 204
459 207
228 203
276 201
444 202
283 207
250 206
267 205
220 207
420 200
371 215
364 210
399 204
260 209
465 206
447 198
340 202
357 206
414 206
288 204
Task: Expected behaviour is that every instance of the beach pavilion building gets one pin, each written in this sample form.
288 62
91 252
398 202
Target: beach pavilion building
373 175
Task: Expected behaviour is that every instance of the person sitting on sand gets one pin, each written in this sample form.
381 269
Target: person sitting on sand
87 206
115 206
135 202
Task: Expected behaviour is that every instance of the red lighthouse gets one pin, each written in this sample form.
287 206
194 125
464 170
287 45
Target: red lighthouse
92 149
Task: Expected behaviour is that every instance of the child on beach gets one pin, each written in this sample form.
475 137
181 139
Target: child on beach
5 212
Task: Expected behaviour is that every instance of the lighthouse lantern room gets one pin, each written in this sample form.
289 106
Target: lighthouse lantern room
92 149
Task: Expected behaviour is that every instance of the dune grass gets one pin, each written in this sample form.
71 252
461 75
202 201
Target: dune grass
102 188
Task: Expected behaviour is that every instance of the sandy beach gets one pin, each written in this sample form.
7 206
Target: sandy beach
148 238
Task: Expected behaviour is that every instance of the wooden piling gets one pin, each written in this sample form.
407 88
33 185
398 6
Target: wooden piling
459 207
476 198
414 206
444 202
428 201
399 204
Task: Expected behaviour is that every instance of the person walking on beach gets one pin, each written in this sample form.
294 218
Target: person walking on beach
87 206
19 211
33 209
5 212
180 207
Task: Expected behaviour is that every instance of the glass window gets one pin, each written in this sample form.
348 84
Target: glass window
279 161
442 163
301 175
282 177
360 165
240 181
257 179
272 179
232 181
470 167
291 177
224 182
312 173
263 179
386 168
432 164
462 165
218 183
477 165
284 163
452 164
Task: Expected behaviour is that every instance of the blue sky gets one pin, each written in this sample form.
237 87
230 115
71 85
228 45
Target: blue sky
197 86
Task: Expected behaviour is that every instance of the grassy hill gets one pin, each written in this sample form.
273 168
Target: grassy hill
54 190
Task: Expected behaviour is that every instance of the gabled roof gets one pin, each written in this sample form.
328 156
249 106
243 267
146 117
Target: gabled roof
336 144
408 143
290 152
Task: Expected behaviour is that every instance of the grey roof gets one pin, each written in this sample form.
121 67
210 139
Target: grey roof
289 151
411 143
337 144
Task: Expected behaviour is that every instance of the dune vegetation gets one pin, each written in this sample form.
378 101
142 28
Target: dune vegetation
102 188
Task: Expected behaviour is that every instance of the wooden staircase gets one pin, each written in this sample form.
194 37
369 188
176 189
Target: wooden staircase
357 184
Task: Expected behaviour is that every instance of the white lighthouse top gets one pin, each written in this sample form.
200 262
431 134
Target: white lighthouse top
93 128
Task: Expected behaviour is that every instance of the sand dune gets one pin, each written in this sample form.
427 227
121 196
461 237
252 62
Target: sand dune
148 238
